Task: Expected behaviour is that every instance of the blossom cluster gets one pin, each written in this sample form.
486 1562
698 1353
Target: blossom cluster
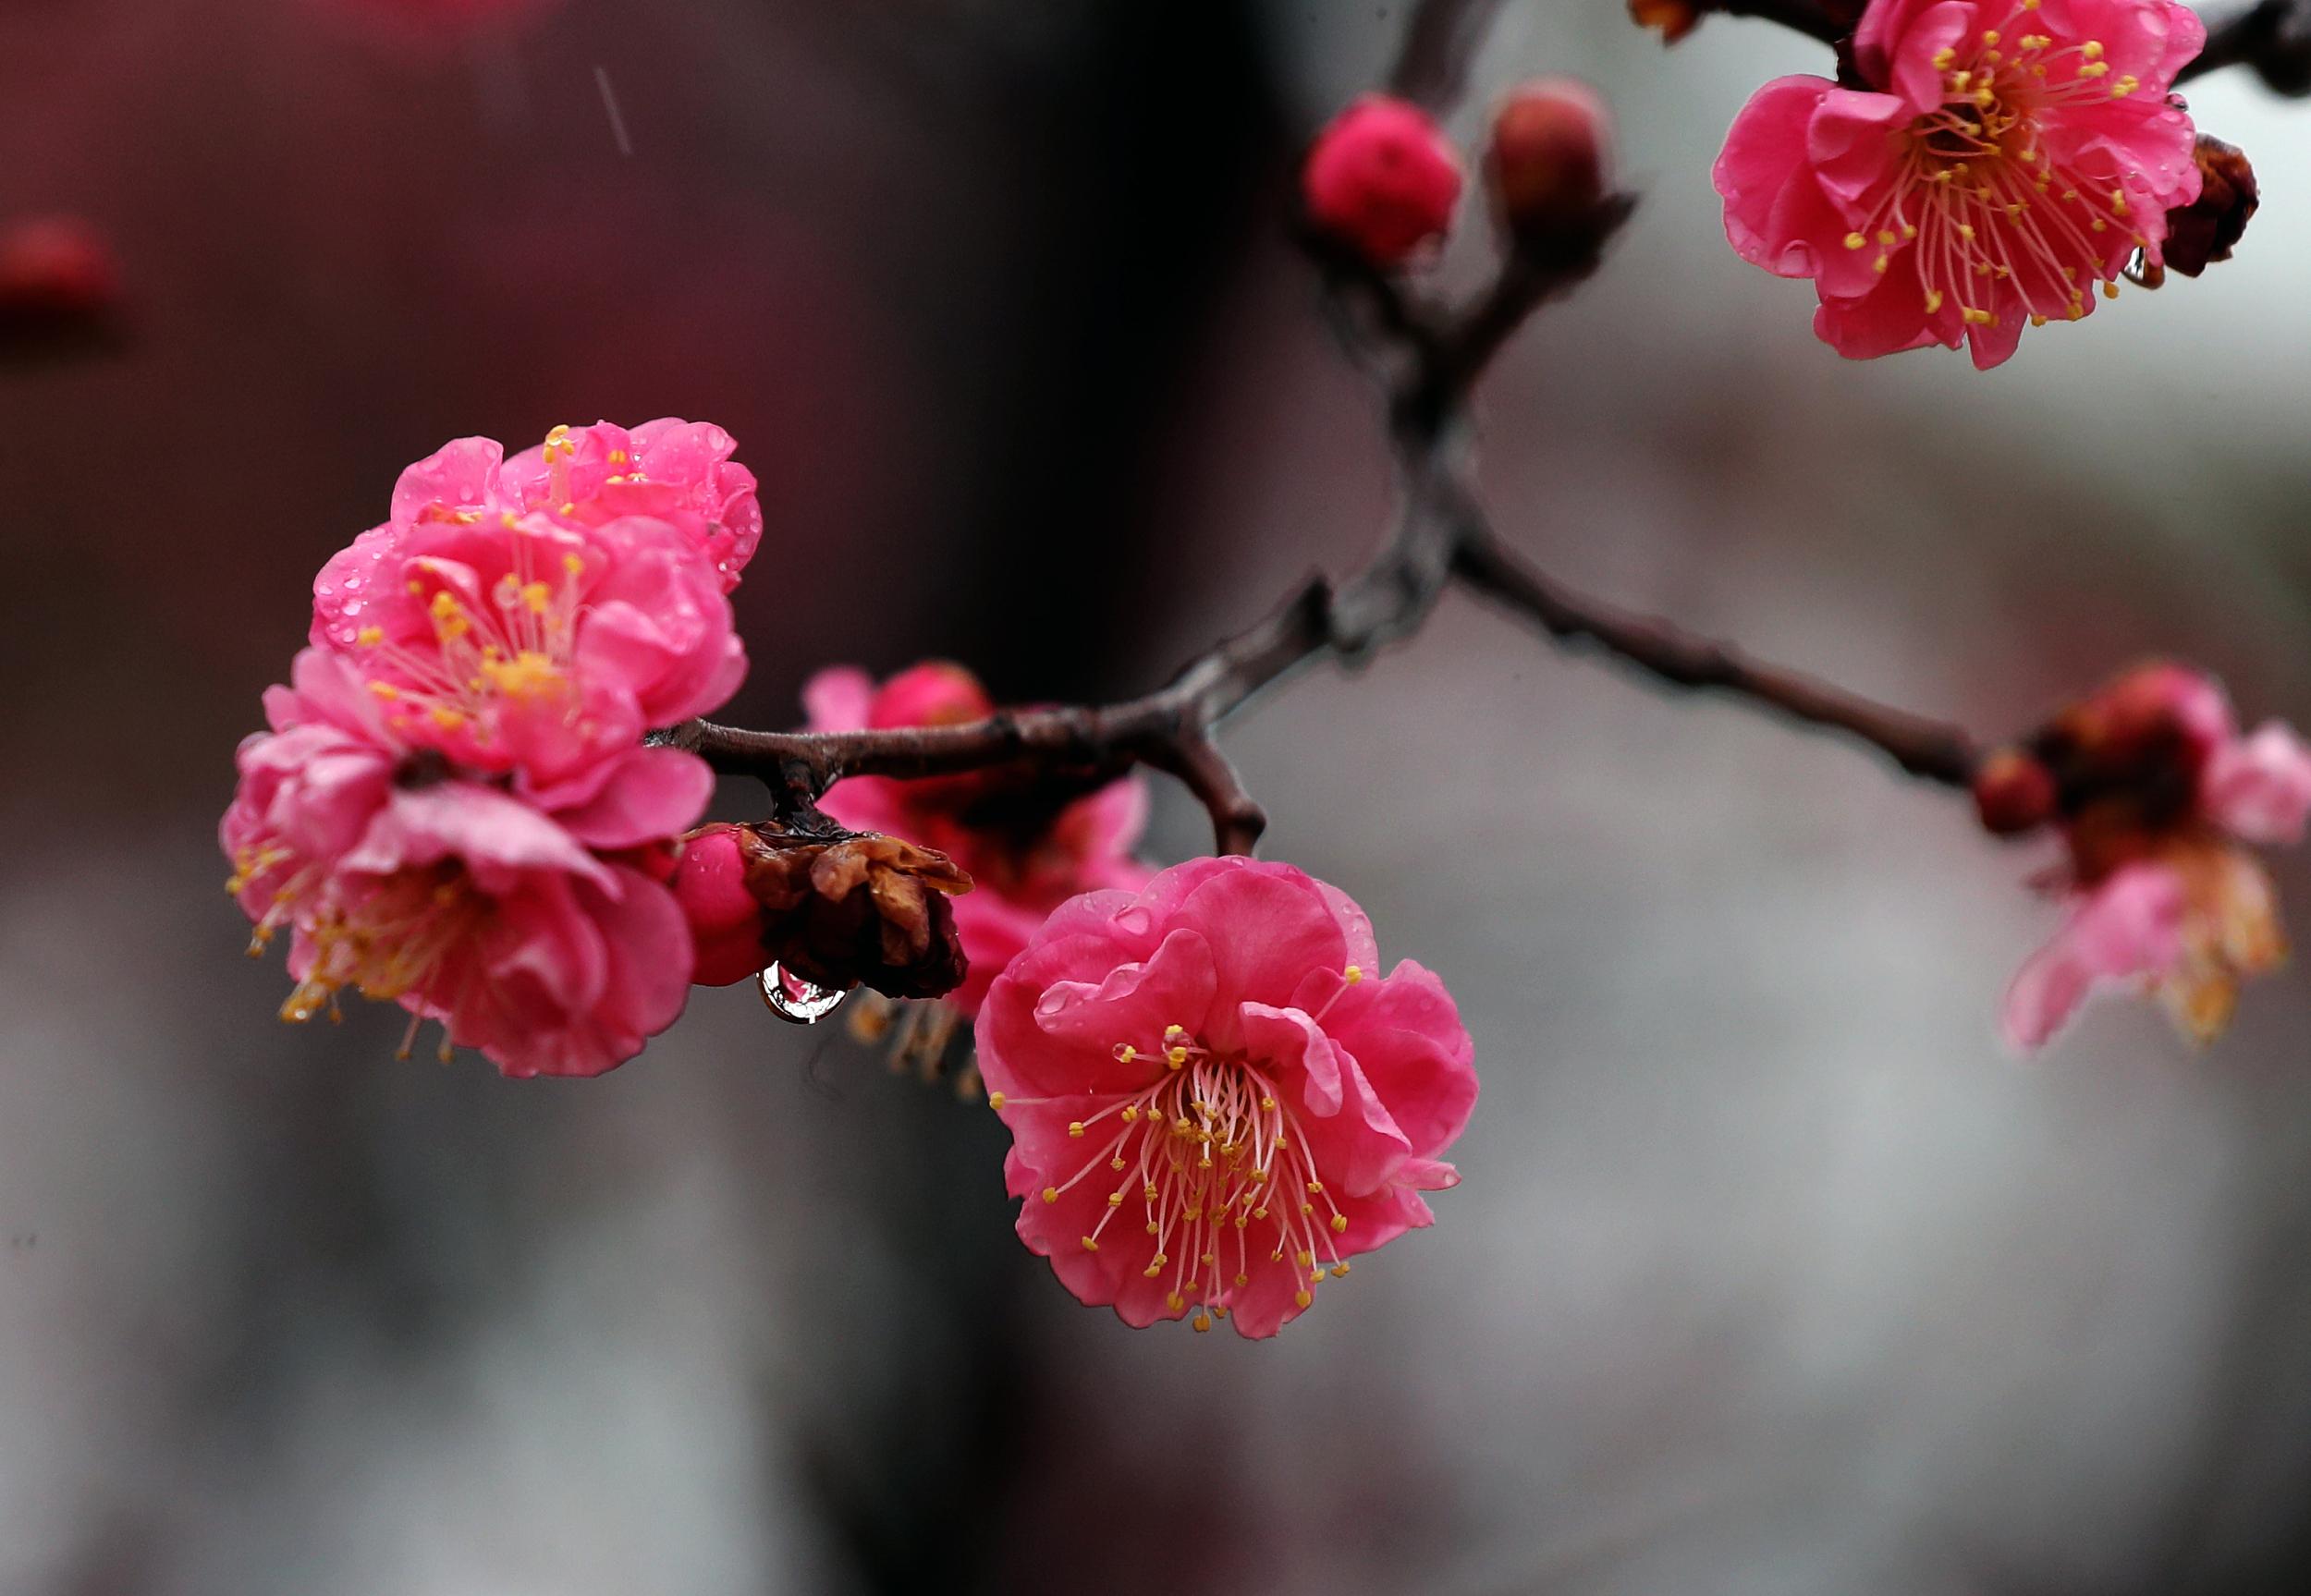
453 808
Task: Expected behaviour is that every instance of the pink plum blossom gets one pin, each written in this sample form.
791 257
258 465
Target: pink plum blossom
1215 1098
2003 157
536 928
678 473
2164 798
1024 856
530 646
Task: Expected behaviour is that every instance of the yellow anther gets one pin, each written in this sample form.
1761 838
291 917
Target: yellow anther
1961 81
1175 1302
573 565
619 457
1075 1127
536 597
1209 1257
2098 225
2076 312
2092 49
1174 1030
2094 70
1880 264
370 637
384 690
1131 1114
1202 1322
1339 1223
1152 1271
569 506
2109 290
449 720
1965 231
1175 1057
1116 1164
995 1100
1150 1193
1886 235
1151 1228
1259 1213
1338 1269
1090 1246
1908 231
554 434
1303 1296
1244 1280
2125 86
1945 58
1304 1259
2036 320
1051 1194
1115 1200
1352 974
1855 240
1316 1188
1989 35
1125 1053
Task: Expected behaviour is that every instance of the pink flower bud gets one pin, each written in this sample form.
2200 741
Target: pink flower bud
2013 792
1382 178
1548 159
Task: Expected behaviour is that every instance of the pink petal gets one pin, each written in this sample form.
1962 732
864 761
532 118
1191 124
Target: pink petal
2129 927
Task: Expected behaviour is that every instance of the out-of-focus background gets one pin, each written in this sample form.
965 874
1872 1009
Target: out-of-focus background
1771 1273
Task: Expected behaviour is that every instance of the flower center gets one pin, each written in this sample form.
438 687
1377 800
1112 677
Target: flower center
1219 1170
517 650
389 942
1980 196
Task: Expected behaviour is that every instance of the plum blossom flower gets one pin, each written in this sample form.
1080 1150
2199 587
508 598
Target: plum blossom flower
675 472
535 927
2160 798
524 644
2003 157
1024 853
1215 1098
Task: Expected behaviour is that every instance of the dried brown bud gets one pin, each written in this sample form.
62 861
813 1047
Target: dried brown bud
2013 793
2205 229
1674 19
852 909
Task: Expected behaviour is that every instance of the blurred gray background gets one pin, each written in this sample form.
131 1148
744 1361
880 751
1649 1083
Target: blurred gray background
1771 1273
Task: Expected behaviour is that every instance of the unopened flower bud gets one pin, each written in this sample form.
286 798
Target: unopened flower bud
2204 230
2013 793
1382 178
849 910
1548 162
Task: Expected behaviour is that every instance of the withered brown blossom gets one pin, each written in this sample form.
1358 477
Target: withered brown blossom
2204 231
842 910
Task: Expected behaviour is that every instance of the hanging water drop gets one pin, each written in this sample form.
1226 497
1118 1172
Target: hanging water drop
802 1002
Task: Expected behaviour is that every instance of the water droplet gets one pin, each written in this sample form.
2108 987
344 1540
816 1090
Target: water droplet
802 1002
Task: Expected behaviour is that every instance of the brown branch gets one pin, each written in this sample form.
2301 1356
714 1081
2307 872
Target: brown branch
1439 44
1927 748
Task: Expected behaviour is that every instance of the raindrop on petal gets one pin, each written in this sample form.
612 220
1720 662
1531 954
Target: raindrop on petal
802 1002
